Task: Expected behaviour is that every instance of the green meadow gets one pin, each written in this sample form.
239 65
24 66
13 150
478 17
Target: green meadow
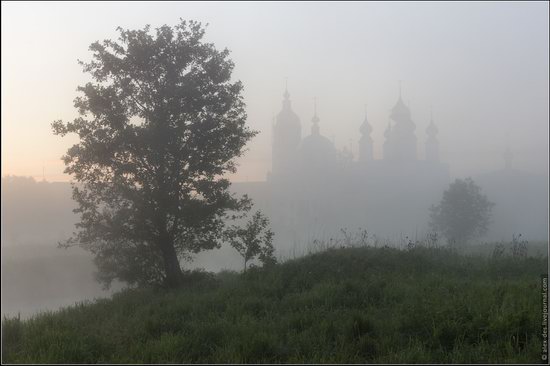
342 305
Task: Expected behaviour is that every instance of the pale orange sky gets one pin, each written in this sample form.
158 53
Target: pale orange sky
482 66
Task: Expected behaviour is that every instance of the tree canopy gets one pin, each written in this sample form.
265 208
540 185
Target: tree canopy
464 212
159 128
253 240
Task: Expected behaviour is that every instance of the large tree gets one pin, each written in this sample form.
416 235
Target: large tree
464 212
159 127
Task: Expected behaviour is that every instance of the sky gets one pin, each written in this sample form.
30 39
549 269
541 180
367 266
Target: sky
481 67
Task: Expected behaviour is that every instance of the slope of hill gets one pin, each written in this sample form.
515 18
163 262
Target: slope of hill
348 305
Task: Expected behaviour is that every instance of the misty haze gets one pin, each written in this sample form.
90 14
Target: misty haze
274 182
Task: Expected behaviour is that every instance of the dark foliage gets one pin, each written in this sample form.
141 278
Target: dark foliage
159 126
253 240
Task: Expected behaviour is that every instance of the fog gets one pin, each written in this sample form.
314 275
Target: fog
322 82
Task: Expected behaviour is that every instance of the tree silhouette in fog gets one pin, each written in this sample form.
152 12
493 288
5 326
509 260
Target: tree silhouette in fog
159 127
253 240
464 212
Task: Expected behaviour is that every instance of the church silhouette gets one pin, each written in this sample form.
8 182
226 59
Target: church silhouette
314 190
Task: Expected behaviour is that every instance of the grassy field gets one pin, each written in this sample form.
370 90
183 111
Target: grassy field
347 305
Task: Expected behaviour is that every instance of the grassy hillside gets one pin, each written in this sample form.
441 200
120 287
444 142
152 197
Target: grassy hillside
350 305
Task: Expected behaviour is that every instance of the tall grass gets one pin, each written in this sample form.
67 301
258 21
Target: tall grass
339 305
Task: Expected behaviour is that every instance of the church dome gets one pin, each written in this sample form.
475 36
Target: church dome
286 118
287 134
366 128
431 130
400 111
316 150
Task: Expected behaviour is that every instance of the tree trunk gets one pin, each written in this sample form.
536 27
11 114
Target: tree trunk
174 275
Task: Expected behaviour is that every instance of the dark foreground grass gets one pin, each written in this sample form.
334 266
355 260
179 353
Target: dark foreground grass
352 305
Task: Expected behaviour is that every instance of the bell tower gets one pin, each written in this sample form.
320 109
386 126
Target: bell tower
287 133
